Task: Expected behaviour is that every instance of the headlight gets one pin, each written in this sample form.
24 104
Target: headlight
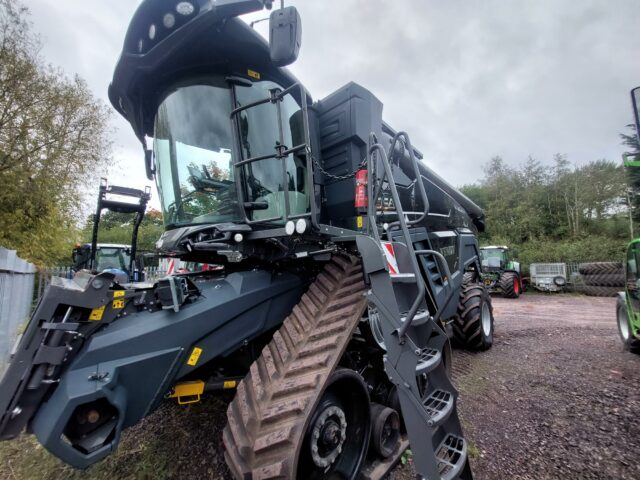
185 8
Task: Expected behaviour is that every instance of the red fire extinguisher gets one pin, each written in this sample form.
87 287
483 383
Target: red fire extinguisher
361 191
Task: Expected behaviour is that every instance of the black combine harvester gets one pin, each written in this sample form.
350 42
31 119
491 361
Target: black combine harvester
348 266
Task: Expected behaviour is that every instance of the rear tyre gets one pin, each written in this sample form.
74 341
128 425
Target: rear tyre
595 268
598 291
605 279
510 284
473 324
629 342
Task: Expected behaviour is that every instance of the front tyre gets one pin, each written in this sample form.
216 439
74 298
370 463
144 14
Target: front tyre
629 342
510 284
473 324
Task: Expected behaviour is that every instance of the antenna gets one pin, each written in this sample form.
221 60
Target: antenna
258 21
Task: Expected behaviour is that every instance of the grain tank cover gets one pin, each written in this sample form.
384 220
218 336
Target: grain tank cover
346 118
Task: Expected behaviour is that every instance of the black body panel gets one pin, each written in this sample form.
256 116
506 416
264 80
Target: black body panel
133 361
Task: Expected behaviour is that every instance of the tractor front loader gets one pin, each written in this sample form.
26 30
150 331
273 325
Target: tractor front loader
120 259
348 267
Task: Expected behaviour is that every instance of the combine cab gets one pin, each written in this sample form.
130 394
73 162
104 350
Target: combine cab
348 265
501 273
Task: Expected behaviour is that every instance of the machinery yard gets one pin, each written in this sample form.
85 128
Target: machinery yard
556 397
327 311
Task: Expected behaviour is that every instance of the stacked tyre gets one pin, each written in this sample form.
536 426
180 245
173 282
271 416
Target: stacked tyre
602 279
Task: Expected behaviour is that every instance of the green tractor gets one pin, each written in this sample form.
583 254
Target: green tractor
628 304
500 271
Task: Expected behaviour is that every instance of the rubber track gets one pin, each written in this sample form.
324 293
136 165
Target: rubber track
267 418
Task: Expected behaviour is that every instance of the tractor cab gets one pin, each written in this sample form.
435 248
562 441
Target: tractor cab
495 258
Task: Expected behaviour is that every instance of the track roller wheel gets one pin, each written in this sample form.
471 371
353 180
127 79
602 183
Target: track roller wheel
385 431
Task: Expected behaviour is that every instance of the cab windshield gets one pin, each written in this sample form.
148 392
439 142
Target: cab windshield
492 257
112 257
193 146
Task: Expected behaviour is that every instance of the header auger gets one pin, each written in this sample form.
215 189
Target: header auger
348 266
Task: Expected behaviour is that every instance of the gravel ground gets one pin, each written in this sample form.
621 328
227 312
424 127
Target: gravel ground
556 397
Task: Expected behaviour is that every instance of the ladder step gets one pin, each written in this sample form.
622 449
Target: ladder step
429 359
439 406
421 317
403 277
451 456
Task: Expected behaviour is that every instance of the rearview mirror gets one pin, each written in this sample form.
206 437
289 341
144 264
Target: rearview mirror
635 100
285 35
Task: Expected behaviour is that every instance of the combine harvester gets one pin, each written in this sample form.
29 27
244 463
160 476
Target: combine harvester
346 262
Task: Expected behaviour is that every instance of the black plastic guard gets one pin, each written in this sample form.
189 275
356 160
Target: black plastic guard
43 348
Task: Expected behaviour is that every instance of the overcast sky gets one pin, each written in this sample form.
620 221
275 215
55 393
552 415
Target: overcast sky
467 79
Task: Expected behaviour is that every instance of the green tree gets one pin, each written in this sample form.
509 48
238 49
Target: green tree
554 212
53 140
118 227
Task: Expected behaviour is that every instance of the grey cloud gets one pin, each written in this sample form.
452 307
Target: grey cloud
467 79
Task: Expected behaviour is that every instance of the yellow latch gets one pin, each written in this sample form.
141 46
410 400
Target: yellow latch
188 392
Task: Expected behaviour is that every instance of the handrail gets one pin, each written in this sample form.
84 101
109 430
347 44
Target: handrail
275 97
445 266
416 171
377 148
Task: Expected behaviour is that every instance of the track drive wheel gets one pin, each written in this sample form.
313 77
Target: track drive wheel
473 324
624 327
510 284
337 437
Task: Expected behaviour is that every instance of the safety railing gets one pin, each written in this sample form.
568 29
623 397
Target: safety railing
281 152
374 188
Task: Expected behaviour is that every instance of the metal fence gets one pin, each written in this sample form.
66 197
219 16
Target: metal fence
17 283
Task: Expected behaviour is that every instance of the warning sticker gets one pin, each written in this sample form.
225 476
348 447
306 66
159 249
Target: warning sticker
117 303
390 255
97 313
195 355
118 293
